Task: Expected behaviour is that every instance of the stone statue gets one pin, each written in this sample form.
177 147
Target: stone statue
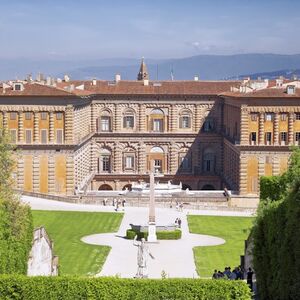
142 257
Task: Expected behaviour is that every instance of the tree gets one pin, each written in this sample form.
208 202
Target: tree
15 218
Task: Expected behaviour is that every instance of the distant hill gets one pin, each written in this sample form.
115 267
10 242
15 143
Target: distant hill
289 74
208 67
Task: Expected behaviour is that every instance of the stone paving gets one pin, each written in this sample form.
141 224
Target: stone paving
175 257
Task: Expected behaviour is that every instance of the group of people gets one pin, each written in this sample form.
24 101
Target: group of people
236 274
178 222
116 203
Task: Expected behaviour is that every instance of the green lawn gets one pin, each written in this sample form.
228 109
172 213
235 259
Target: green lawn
66 228
234 230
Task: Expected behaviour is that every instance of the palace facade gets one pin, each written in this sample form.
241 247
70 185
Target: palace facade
78 135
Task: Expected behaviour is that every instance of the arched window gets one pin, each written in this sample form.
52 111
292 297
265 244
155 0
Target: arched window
185 119
104 121
128 119
104 163
157 159
157 120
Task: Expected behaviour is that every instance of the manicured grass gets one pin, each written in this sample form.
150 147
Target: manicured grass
234 230
66 228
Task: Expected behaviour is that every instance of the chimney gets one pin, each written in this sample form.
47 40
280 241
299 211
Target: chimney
117 77
94 81
196 78
279 82
48 80
146 82
72 87
66 78
291 89
40 77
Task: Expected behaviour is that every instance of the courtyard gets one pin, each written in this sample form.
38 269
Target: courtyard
89 239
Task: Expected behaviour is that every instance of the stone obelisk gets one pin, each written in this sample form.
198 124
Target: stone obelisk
151 225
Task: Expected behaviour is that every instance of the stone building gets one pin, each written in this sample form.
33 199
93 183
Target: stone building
76 135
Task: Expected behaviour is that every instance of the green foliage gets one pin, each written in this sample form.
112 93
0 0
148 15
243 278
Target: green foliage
161 235
66 228
277 247
272 188
234 230
16 230
72 288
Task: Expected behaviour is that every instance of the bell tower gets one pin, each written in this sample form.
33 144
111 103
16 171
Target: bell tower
143 73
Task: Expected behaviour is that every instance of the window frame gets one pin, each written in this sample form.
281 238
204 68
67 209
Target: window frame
28 115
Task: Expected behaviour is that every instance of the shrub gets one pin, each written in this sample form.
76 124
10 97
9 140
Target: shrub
40 288
161 235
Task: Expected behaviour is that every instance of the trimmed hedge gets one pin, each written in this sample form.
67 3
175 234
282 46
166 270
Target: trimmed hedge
276 252
161 235
47 288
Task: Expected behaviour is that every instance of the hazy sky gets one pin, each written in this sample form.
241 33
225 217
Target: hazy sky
71 29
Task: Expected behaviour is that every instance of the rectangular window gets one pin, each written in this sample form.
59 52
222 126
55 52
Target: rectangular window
283 137
44 136
44 115
158 125
269 117
105 123
59 116
59 136
129 162
157 165
283 117
105 163
13 116
13 136
28 136
184 162
253 138
297 116
253 117
208 125
28 115
186 122
128 122
268 137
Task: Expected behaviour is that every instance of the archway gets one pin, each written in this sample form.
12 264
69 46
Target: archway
105 187
186 186
127 186
208 187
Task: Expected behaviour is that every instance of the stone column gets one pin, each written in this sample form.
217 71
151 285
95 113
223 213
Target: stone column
173 158
291 128
20 173
36 174
173 119
5 121
70 175
276 128
197 118
276 165
243 175
261 131
20 127
142 117
117 158
93 118
152 227
51 174
36 134
69 117
117 119
51 127
244 139
141 158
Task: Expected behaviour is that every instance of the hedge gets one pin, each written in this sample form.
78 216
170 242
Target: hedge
276 252
47 288
161 235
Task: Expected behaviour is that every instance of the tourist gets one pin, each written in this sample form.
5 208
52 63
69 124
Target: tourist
123 203
215 275
179 222
181 206
176 221
177 205
227 272
249 279
220 275
233 275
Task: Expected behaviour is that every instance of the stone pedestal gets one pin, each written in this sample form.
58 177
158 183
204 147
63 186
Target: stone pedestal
152 238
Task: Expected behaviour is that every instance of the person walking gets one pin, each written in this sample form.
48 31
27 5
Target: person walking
179 222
